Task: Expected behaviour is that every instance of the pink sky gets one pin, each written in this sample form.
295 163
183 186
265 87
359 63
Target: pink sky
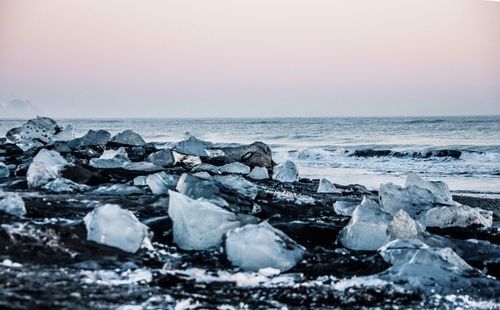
88 58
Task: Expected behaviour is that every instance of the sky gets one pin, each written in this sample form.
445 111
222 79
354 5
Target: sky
258 58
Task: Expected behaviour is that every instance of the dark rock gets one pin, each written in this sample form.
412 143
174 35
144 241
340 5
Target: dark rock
136 154
255 154
83 175
92 138
128 137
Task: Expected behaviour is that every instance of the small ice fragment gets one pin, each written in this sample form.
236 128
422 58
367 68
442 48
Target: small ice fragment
117 189
259 173
345 208
326 186
253 247
235 167
45 167
65 135
402 226
142 166
198 225
160 183
206 167
140 180
238 184
12 203
456 216
163 158
116 227
367 229
4 171
62 185
111 159
286 172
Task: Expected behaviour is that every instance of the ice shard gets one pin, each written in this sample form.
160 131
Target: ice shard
45 167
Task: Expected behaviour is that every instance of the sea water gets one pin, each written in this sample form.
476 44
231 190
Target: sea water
462 151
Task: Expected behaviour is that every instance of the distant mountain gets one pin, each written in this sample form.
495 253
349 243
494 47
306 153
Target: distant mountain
17 108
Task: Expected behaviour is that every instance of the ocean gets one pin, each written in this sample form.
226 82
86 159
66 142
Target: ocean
462 151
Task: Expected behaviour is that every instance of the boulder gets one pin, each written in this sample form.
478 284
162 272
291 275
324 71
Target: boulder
286 172
253 247
438 188
113 226
206 167
128 137
4 171
252 155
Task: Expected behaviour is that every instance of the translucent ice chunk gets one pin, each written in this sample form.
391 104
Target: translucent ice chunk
128 137
238 184
116 227
345 208
253 247
438 188
286 172
326 186
62 185
198 225
117 189
259 173
12 203
192 146
456 216
206 167
4 171
65 135
163 158
402 226
367 229
45 167
111 159
160 182
413 199
236 167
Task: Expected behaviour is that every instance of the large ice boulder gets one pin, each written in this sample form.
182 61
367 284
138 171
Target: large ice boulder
92 138
161 182
111 159
192 146
163 158
185 160
4 171
41 128
253 247
286 172
326 186
196 187
45 167
438 188
420 267
367 229
252 155
12 203
128 137
259 173
198 224
236 168
113 226
413 199
456 216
